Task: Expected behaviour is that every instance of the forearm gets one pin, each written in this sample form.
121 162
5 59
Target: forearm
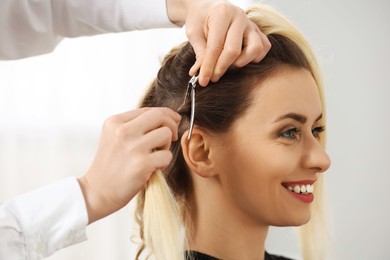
29 28
36 224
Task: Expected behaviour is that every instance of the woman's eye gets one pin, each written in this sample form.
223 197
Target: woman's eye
290 134
317 130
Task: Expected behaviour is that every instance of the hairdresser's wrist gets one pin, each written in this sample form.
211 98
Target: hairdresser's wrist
97 205
177 11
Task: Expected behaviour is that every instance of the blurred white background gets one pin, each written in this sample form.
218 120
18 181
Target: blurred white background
52 108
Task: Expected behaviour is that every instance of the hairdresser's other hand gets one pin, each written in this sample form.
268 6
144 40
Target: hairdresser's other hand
132 146
222 35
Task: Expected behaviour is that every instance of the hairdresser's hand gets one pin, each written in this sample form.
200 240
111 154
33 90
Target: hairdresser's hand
222 35
132 146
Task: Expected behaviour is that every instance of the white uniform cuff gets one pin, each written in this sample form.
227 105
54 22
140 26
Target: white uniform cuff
52 217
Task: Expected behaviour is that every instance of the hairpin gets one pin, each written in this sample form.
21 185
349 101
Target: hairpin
191 92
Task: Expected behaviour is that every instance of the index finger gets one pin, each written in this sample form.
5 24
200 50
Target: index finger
218 28
156 118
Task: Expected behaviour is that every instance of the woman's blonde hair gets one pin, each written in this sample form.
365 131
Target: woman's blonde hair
164 206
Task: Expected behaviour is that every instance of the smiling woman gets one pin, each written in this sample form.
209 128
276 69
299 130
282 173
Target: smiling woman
255 157
267 156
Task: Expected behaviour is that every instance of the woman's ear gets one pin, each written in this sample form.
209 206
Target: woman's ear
197 153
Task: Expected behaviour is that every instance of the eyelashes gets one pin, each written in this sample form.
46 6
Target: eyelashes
316 131
290 134
295 133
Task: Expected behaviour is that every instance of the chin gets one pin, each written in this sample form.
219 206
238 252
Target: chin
293 220
300 219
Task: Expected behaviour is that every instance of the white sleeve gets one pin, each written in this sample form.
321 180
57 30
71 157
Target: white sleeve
30 28
36 224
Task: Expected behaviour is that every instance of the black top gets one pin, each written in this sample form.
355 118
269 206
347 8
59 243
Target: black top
194 255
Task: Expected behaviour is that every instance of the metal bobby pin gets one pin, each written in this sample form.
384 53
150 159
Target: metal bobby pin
191 86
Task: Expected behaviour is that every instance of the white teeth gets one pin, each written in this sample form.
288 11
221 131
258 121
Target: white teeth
304 189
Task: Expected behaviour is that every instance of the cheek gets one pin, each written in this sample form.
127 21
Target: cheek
252 175
258 165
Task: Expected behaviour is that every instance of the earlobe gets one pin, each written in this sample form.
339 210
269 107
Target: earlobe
196 153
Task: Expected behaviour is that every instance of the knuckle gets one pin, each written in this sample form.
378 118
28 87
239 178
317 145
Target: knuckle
264 41
165 110
267 45
120 132
254 52
258 45
255 46
232 52
159 112
199 54
239 63
216 48
165 133
110 123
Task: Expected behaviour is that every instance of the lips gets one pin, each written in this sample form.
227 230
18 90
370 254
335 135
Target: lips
302 190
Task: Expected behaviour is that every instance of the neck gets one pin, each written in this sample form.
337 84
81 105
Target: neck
221 229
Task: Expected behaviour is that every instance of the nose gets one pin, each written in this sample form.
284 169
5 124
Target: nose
316 158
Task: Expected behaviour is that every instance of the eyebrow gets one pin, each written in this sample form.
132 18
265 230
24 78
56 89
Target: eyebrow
297 117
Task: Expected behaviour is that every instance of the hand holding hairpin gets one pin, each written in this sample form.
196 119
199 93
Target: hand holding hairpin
191 91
